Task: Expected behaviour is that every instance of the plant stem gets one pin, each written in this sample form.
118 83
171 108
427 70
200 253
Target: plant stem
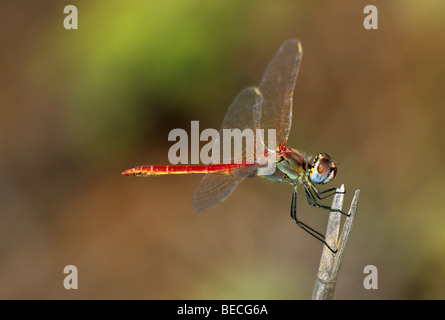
330 262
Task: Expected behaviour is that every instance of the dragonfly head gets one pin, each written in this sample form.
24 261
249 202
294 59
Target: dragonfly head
323 169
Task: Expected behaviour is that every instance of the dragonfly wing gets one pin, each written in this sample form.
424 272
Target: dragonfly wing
215 188
243 113
267 107
277 87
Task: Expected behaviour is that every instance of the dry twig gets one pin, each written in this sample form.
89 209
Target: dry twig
330 262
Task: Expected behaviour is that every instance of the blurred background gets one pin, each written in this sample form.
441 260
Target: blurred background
77 107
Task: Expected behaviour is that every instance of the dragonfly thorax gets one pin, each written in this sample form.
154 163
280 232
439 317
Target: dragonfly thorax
293 167
290 167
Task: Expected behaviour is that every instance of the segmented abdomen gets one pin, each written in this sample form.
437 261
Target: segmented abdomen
163 170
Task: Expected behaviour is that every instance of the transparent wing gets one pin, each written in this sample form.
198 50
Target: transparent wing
243 113
214 188
277 88
267 107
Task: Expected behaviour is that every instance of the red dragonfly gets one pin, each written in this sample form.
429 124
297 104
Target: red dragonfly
268 106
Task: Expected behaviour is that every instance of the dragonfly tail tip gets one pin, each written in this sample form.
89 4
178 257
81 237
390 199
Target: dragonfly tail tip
128 172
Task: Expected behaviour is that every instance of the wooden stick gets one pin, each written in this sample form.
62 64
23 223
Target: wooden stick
330 262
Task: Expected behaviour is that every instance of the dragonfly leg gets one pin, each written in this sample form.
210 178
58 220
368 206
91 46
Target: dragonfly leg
327 193
312 193
293 213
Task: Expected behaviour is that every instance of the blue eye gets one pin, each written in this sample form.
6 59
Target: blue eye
324 169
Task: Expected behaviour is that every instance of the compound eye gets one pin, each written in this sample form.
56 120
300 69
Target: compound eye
332 173
324 169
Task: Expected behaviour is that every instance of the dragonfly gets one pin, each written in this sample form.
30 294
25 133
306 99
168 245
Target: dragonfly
267 106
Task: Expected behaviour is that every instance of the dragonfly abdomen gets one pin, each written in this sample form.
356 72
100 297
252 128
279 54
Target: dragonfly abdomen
188 169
